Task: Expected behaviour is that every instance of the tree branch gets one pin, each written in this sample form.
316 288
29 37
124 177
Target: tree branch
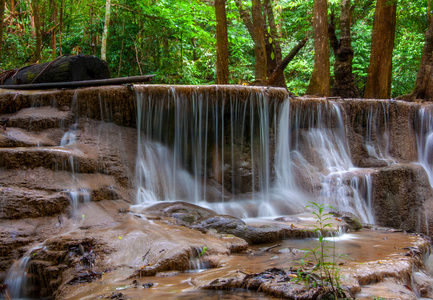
273 79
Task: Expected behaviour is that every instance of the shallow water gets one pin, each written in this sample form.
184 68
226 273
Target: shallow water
360 247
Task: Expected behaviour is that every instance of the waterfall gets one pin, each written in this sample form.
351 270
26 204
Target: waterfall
245 153
424 126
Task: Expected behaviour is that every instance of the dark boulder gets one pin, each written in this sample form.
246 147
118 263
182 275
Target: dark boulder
62 69
203 219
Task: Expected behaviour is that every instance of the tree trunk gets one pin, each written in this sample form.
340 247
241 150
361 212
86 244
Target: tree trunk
320 78
277 77
53 31
344 81
424 80
38 30
60 27
2 11
259 39
222 42
105 33
273 48
382 43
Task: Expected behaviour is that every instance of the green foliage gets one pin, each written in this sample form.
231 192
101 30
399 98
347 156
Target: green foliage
322 258
203 251
175 39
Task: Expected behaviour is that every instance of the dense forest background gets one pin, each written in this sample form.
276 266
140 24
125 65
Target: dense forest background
177 39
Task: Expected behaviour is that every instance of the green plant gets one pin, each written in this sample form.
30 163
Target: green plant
322 269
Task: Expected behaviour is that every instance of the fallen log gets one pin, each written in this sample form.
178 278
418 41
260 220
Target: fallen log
61 69
77 84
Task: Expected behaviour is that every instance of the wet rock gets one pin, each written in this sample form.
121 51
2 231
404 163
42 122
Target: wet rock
114 295
288 219
183 213
275 282
85 277
195 217
221 223
258 235
148 285
39 118
352 221
22 203
401 196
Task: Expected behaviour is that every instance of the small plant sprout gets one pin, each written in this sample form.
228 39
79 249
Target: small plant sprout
203 251
323 260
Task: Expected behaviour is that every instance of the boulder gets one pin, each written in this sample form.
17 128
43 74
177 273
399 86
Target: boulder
204 220
62 69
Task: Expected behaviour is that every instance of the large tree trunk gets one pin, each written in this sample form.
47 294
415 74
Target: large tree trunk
222 43
38 30
62 69
320 78
344 81
259 41
382 43
105 33
2 11
53 30
424 80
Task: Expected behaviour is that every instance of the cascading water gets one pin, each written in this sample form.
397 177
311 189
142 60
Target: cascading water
17 276
377 132
245 155
424 128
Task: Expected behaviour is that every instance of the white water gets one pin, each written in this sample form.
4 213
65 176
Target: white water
425 140
248 157
17 275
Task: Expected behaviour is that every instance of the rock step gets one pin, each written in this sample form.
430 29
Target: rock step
100 186
54 158
21 203
16 137
38 118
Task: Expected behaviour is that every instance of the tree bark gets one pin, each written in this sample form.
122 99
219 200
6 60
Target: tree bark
382 43
222 42
60 27
273 48
38 30
320 78
277 77
105 33
53 31
245 18
344 81
259 38
424 80
2 11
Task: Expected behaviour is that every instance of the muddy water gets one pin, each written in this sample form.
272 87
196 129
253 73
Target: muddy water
360 247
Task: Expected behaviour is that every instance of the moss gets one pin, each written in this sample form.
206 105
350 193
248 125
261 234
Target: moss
64 66
30 76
